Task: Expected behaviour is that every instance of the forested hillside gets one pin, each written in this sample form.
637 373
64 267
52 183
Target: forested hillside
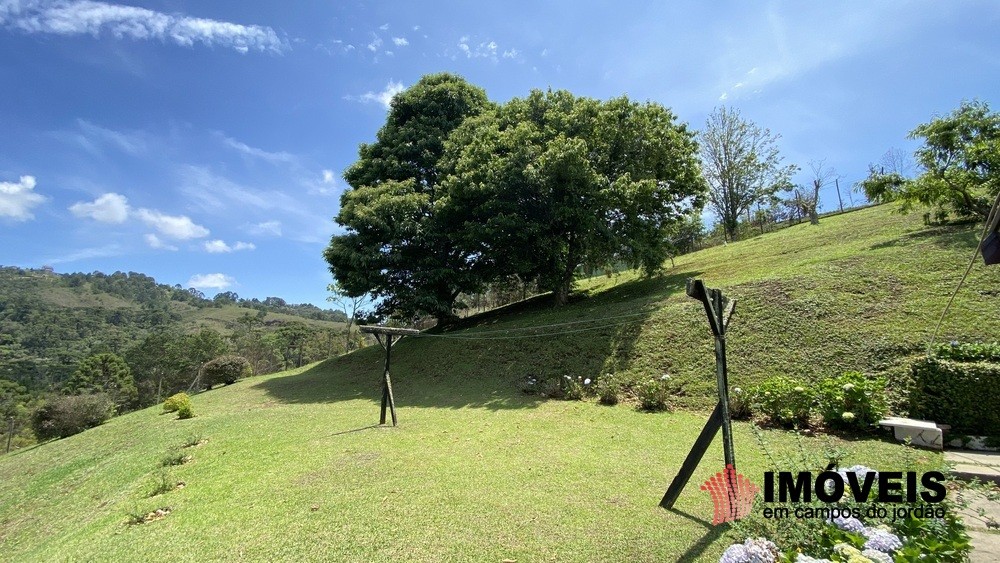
51 322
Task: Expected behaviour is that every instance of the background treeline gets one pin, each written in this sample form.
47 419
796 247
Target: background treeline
52 324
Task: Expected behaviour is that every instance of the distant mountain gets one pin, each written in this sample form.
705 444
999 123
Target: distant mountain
50 321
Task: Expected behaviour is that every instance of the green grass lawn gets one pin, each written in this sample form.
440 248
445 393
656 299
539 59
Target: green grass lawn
294 469
477 470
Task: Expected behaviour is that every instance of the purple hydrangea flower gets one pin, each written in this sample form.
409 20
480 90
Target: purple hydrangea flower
757 550
849 524
882 540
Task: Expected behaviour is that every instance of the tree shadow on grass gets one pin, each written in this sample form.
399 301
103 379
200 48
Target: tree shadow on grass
712 534
443 369
952 236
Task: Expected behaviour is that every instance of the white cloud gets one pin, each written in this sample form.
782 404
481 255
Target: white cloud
154 242
384 27
217 246
109 208
416 28
385 96
17 199
86 253
179 227
87 17
723 97
328 177
400 41
211 281
220 246
273 157
375 44
266 228
131 143
484 50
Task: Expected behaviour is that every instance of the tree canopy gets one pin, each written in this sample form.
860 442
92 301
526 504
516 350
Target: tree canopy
105 373
742 164
394 248
960 161
576 180
456 190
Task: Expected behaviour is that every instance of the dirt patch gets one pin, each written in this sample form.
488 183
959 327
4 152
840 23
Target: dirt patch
158 514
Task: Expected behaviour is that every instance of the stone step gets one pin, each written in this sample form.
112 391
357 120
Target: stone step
984 466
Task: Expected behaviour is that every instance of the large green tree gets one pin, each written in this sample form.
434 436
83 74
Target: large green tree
549 183
105 373
960 158
742 164
394 248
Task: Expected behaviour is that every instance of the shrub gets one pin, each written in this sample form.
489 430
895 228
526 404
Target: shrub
175 402
174 457
608 390
739 407
969 352
653 394
68 415
225 370
573 389
164 483
185 411
964 395
851 401
782 400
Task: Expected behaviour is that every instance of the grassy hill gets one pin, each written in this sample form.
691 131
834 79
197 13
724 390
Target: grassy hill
291 467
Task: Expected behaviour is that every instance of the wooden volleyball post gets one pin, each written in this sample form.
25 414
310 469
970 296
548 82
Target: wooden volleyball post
719 310
386 336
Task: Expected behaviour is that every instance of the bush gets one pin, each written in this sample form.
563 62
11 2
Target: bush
175 402
851 401
739 407
68 415
185 411
573 389
225 370
964 395
782 400
969 352
653 394
608 390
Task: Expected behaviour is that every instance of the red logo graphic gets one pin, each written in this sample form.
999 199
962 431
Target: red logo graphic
732 495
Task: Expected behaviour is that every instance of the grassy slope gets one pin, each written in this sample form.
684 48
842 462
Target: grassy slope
224 318
477 470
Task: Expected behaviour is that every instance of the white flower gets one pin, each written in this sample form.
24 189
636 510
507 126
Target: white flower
664 377
586 381
737 390
847 416
848 386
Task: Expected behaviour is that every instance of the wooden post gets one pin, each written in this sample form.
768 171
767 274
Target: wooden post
719 311
841 200
390 335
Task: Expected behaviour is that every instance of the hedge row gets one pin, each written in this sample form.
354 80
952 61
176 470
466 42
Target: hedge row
965 395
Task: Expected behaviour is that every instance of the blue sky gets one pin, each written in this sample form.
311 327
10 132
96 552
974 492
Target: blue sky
203 143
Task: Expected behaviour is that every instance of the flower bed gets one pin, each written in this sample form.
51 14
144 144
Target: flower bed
855 538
